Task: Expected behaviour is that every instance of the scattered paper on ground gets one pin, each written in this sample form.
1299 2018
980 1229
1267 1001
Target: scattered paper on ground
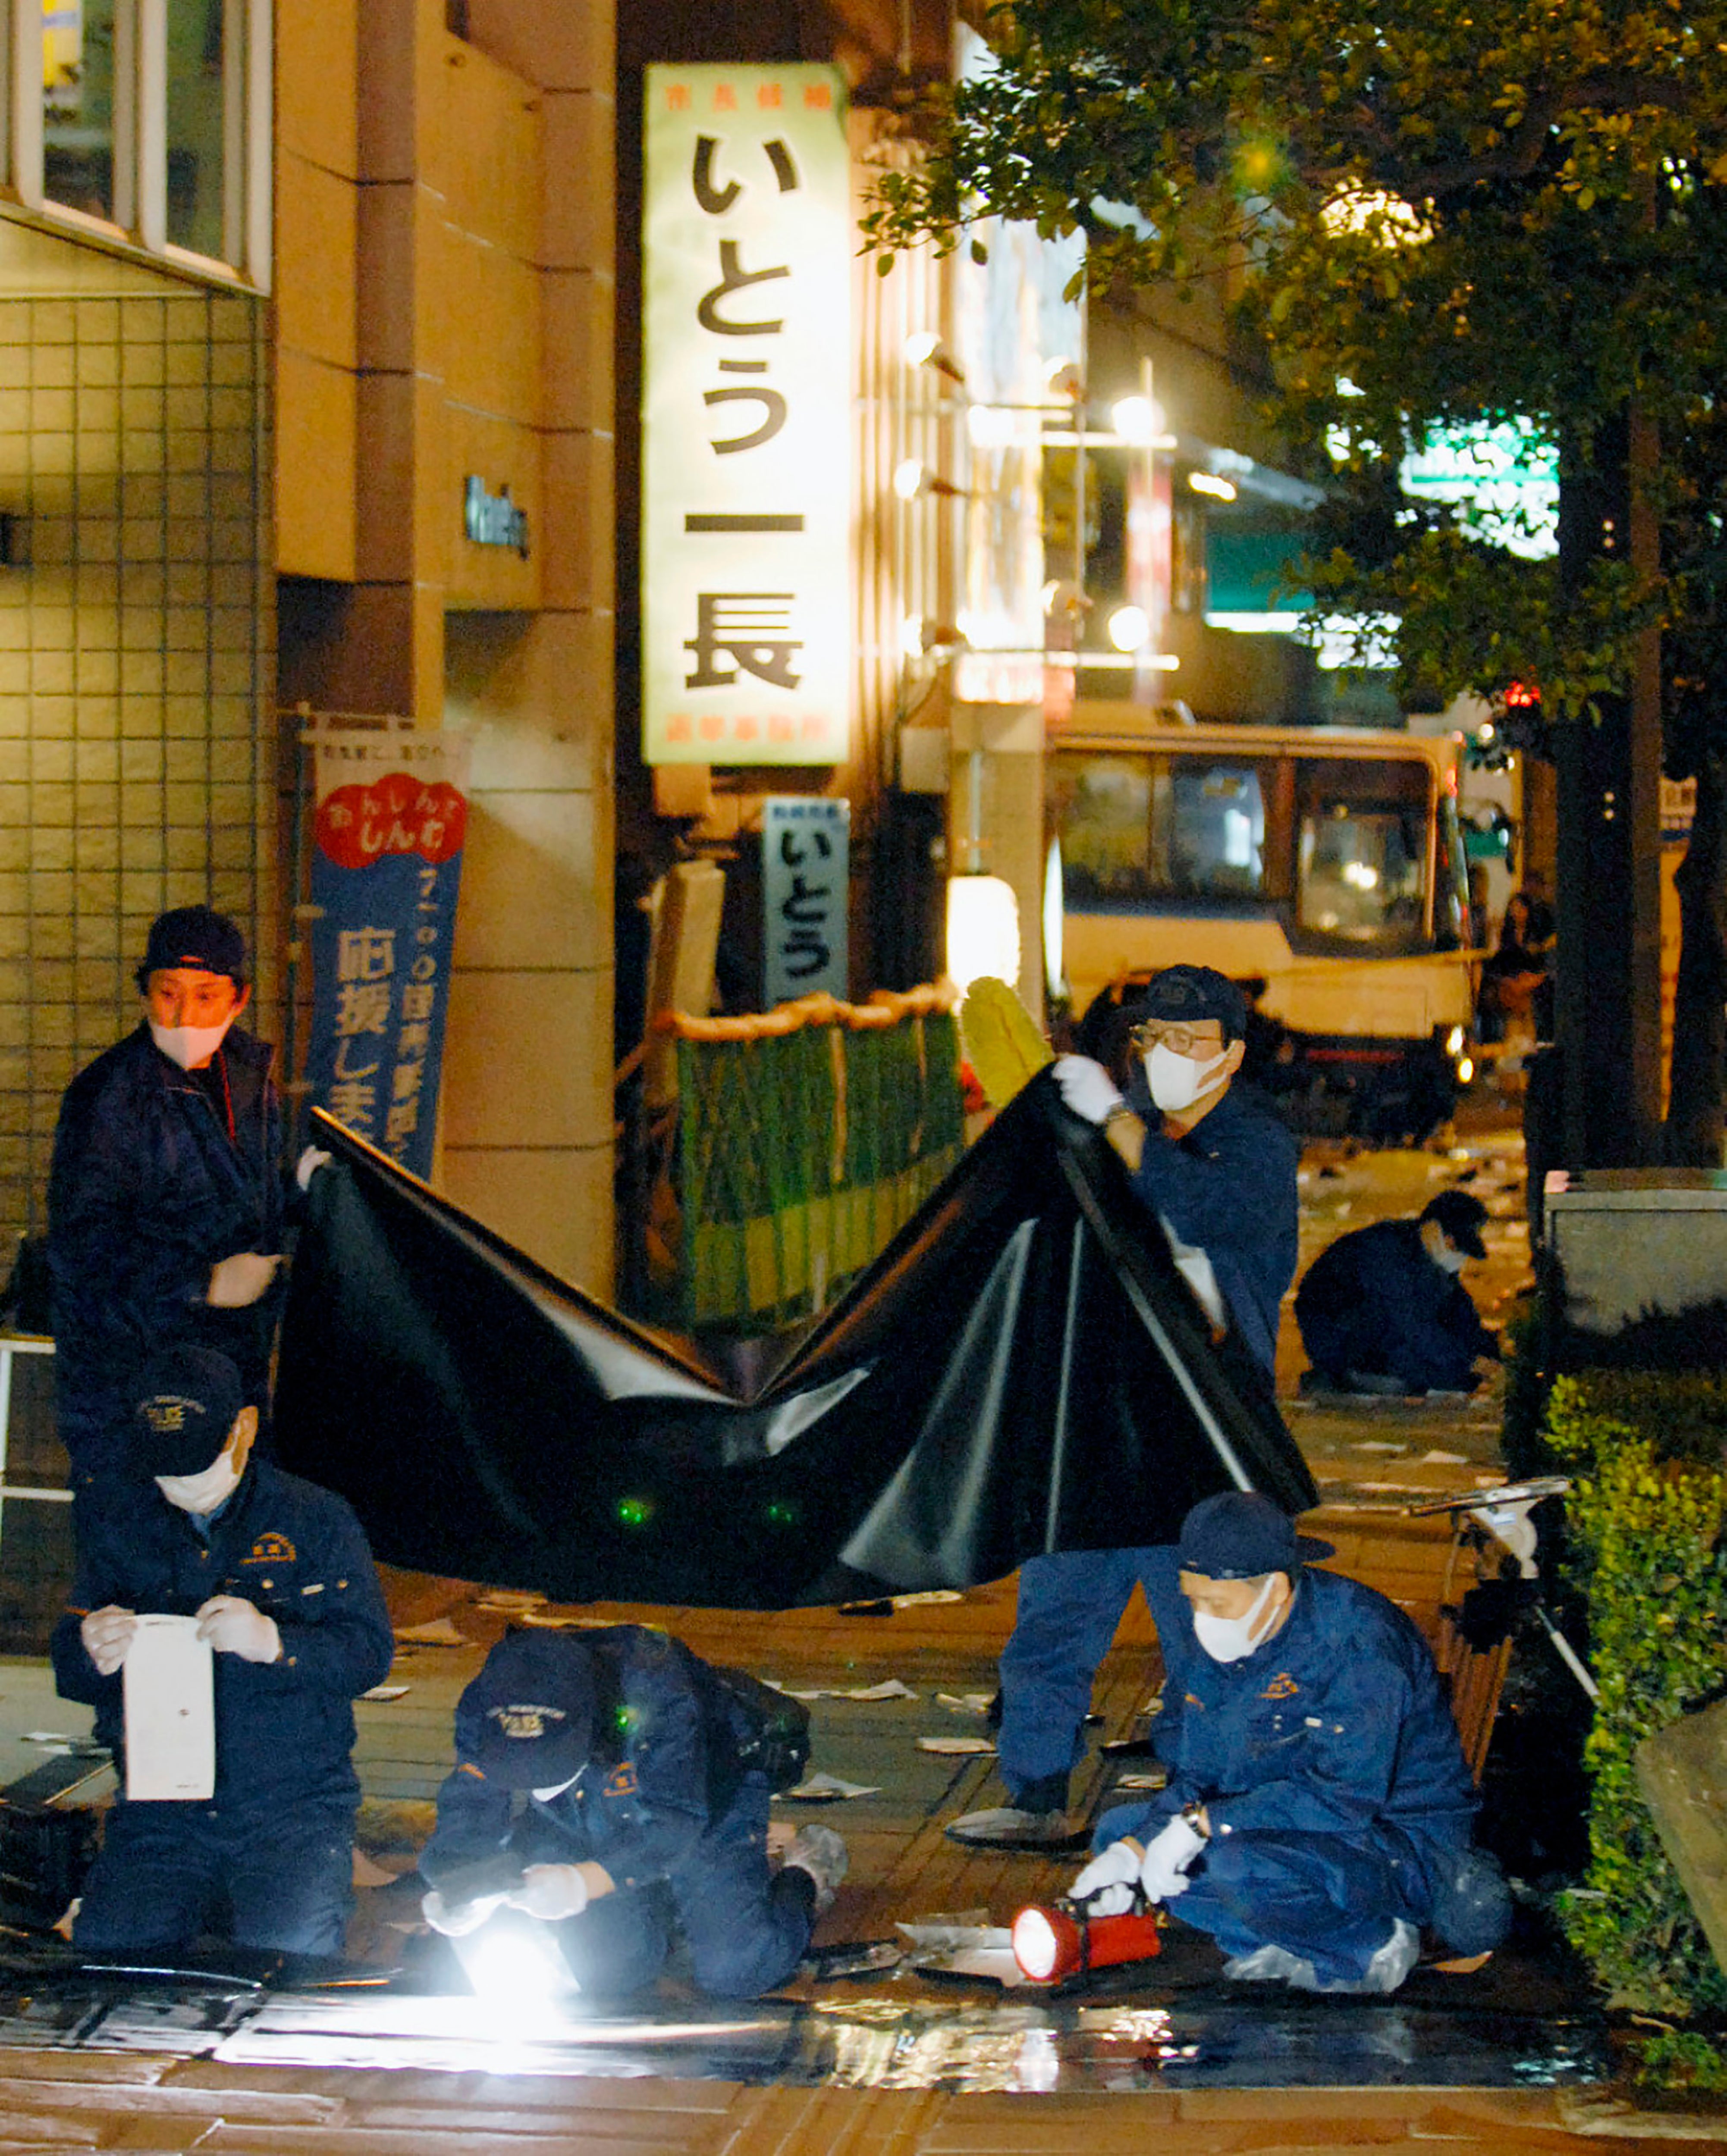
948 1927
1445 1459
957 1748
964 1946
1142 1781
385 1691
922 1595
509 1599
828 1790
964 1702
438 1632
554 1620
889 1688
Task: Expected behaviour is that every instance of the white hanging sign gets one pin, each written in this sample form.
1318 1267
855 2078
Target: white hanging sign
747 417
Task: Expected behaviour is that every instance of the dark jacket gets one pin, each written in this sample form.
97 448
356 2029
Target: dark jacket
1337 1724
664 1770
147 1190
284 1730
1375 1301
1228 1187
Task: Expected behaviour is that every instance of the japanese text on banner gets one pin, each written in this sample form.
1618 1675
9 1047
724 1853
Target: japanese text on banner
392 815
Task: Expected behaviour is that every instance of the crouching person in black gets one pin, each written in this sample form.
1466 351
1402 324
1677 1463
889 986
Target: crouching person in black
278 1575
618 1787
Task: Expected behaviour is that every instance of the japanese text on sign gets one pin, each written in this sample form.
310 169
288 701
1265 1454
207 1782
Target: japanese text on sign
389 827
746 416
806 870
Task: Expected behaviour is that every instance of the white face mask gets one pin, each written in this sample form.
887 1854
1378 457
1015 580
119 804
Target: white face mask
203 1493
1449 1260
1177 1081
190 1047
1231 1639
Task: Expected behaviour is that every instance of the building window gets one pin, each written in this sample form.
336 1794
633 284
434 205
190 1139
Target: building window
78 92
148 120
197 124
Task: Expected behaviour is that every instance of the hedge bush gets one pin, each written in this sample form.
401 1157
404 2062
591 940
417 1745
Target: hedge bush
1644 1528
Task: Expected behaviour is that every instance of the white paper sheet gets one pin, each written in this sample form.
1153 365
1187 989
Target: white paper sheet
170 1713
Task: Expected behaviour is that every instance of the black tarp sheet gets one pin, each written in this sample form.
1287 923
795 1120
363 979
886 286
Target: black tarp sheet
1022 1369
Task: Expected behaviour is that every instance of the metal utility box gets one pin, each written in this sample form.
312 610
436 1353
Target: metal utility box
1633 1239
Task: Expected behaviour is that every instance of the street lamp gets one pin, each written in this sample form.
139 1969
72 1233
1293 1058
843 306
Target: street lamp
912 477
924 348
1129 626
1138 420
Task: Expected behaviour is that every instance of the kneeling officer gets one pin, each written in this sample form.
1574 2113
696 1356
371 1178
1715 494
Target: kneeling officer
278 1574
615 1785
1318 1809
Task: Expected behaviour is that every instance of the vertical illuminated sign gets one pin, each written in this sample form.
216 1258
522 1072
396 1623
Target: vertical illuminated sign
746 420
806 879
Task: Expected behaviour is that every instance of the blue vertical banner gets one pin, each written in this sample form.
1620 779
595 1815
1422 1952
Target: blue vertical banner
391 819
806 882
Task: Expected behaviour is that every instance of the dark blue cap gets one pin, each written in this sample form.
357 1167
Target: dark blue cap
1241 1535
1189 994
196 936
188 1399
527 1721
1462 1217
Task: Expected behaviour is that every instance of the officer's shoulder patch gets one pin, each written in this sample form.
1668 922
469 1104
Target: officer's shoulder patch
271 1548
1282 1686
621 1782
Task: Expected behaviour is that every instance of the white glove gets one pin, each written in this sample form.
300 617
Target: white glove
549 1892
1163 1873
237 1282
235 1626
1108 1882
1087 1088
106 1634
457 1919
308 1164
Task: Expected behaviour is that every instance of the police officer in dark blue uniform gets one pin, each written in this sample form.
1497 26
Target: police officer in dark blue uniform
1217 1169
624 1783
1383 1310
165 1198
278 1574
1319 1808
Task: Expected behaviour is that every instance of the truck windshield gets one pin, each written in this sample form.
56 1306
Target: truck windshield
1361 853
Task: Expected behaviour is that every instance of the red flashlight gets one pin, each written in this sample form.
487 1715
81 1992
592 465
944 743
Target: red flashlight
1058 1939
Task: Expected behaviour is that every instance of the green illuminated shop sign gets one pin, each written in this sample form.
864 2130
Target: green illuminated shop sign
1502 475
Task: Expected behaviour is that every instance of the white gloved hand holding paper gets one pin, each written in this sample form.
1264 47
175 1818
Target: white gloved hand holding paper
1163 1873
1087 1089
550 1891
234 1626
1109 1884
106 1634
455 1920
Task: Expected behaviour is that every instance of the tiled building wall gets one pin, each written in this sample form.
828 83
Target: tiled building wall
136 672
